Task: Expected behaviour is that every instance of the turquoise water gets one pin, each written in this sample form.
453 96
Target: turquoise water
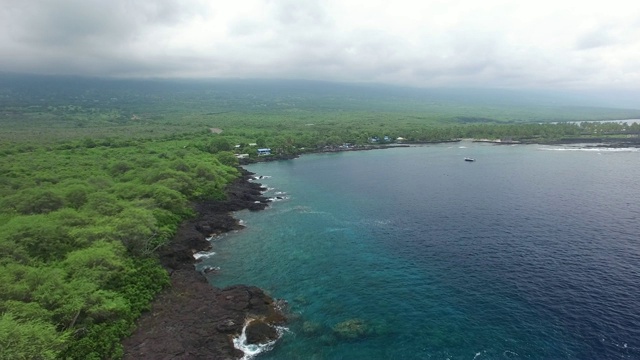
531 252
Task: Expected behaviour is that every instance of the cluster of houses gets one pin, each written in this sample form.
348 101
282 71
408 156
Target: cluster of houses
373 140
385 139
260 151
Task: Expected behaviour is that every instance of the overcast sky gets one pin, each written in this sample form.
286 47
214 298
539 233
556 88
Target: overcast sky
563 44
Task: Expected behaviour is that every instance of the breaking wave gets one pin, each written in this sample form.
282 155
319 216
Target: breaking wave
251 350
203 255
592 149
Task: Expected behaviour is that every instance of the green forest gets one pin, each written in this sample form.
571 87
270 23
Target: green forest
96 175
79 228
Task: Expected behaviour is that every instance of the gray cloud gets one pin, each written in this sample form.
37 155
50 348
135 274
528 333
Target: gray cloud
81 22
423 44
297 13
595 39
84 36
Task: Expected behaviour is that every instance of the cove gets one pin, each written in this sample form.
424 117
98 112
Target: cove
530 252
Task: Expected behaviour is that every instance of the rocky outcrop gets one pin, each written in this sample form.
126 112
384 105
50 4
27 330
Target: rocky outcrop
192 319
260 332
351 329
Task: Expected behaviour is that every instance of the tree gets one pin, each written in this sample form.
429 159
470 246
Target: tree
32 339
48 240
137 230
218 144
76 195
34 201
261 141
97 263
227 158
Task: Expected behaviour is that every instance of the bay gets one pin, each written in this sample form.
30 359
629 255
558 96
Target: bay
531 252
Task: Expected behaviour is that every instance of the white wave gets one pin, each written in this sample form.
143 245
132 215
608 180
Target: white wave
209 238
278 198
462 147
203 254
207 268
593 149
251 350
269 189
260 177
280 193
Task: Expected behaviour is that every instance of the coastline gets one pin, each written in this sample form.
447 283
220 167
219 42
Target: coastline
323 303
192 319
331 149
593 142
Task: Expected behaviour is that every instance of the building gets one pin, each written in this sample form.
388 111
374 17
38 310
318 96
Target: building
264 151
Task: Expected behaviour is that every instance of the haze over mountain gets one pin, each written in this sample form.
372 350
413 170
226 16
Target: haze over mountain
589 49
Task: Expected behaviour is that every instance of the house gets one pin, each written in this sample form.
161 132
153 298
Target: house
264 151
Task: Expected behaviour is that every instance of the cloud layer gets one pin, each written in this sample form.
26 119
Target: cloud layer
494 43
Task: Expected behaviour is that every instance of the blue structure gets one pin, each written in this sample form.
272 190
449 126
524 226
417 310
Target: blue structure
264 151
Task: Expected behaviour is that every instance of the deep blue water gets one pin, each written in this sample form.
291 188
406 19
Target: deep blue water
531 252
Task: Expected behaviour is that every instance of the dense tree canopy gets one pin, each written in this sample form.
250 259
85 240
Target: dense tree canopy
79 228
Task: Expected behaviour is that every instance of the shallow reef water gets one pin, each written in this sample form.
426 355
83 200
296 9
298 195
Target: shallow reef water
413 253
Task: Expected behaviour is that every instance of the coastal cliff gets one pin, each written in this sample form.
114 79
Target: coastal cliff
192 319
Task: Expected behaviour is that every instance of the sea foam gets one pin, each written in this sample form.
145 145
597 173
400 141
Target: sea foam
278 198
593 149
251 350
203 255
260 177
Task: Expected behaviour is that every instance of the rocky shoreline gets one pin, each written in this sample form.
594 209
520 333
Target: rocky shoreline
192 319
631 142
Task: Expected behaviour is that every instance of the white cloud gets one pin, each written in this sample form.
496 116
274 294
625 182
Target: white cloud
568 44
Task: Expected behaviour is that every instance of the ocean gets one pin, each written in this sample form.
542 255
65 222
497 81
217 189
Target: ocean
530 252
